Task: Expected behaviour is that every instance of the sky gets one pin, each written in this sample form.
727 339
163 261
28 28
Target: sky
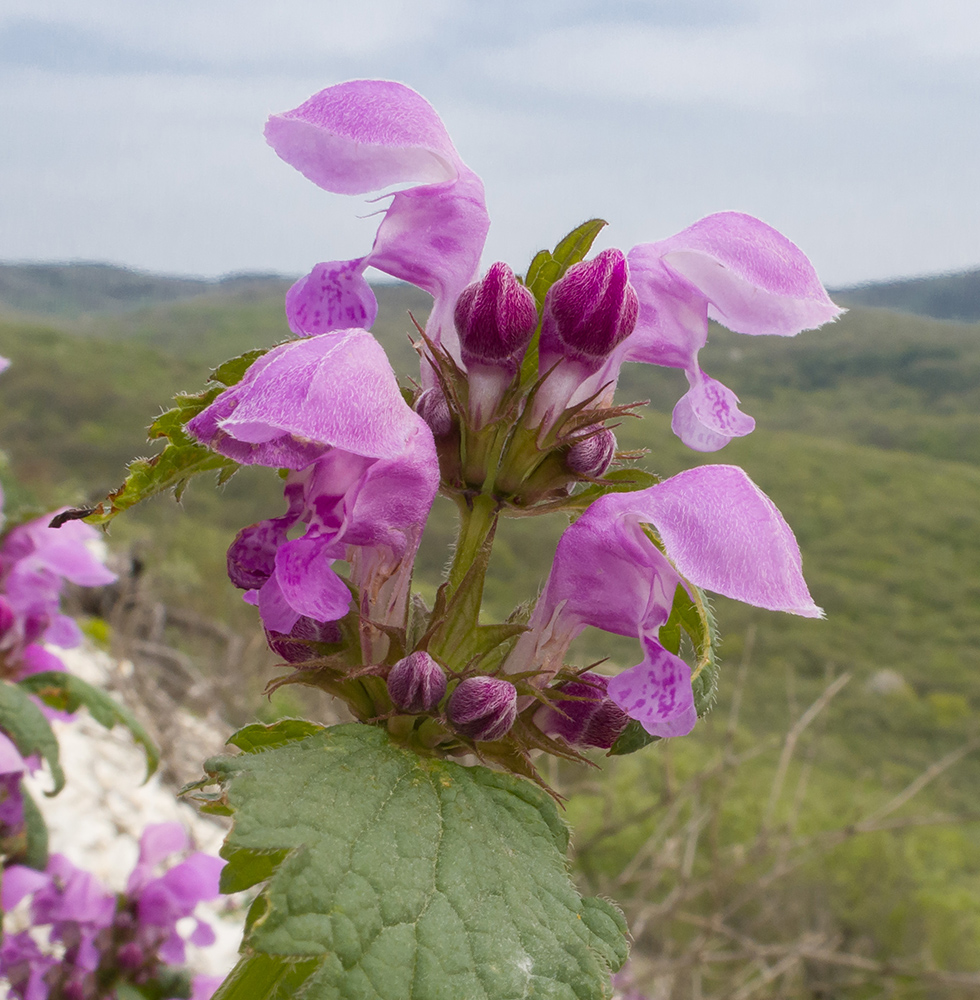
131 130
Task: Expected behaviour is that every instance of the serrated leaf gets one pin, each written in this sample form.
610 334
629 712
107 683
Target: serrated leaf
68 693
407 877
172 469
182 457
29 730
170 423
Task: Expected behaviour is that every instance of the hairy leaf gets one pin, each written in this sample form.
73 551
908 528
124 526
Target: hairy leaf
396 877
69 693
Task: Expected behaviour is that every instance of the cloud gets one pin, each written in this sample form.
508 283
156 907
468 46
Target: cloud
226 35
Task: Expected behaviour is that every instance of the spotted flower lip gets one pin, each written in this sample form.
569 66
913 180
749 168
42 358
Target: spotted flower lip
719 531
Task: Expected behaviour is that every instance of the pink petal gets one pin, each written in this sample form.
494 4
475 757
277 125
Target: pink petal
308 583
724 534
707 417
364 135
160 840
335 389
757 281
333 296
18 882
657 692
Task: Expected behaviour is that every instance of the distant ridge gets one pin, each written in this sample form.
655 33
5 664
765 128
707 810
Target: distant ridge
73 289
941 296
70 290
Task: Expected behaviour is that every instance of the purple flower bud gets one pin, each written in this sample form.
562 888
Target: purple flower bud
605 726
416 683
432 407
252 555
495 319
591 456
483 708
130 956
297 646
75 989
587 717
590 310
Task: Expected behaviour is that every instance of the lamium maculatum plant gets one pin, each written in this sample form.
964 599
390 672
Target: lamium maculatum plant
417 852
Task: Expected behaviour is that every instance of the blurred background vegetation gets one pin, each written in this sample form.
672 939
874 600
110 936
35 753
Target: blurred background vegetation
778 851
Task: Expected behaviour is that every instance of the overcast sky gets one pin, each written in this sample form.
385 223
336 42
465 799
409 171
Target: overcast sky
131 130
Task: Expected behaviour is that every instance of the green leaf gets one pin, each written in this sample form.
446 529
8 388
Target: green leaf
257 737
693 615
27 845
69 693
265 977
182 457
405 877
36 847
30 731
634 737
547 267
233 371
618 481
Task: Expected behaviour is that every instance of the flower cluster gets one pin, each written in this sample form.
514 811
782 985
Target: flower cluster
86 941
510 416
35 562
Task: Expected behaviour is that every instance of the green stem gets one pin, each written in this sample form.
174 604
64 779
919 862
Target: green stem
476 520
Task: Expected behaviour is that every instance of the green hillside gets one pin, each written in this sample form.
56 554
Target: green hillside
942 296
75 289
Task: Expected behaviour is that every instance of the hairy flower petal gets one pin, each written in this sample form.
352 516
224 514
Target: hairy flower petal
724 534
334 390
756 280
